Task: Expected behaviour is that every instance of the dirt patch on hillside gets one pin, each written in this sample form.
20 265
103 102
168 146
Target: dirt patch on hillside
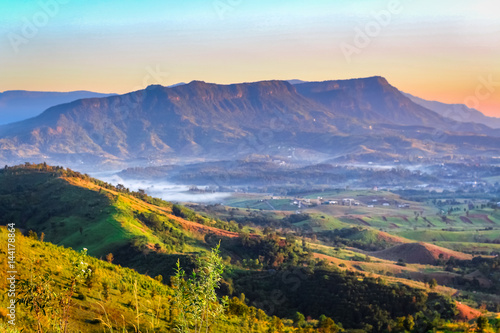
465 220
418 253
467 313
203 229
483 280
483 217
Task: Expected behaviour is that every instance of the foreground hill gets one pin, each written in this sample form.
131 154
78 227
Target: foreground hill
114 298
111 298
77 211
419 253
331 119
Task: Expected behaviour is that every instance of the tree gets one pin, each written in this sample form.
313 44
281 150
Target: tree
327 325
482 323
276 325
110 257
433 283
177 211
409 323
32 234
195 298
299 320
39 296
105 290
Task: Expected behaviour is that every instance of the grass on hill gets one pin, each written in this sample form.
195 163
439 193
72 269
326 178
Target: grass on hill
77 211
112 298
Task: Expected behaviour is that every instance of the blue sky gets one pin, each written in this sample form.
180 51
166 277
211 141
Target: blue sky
435 49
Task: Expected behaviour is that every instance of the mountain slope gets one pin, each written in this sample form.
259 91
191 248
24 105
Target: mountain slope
458 112
77 211
192 119
112 298
374 100
17 105
371 99
199 120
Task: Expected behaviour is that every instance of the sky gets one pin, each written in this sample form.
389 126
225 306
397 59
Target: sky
446 50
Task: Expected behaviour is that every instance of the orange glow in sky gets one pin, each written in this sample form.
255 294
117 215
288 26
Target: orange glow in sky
437 50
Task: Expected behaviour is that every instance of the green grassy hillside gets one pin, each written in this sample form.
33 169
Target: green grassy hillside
76 211
110 299
149 235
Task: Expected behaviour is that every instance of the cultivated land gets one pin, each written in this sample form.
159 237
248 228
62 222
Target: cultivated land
398 246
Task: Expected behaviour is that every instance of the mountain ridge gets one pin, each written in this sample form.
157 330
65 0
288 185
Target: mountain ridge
203 120
458 112
18 105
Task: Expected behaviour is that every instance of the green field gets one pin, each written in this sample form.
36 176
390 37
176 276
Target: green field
451 236
471 247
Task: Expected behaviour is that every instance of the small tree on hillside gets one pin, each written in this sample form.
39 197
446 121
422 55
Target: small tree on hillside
299 320
482 324
51 309
110 257
433 283
327 325
195 298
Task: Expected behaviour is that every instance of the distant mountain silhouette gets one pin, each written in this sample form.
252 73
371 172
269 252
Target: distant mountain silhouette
458 112
17 105
177 84
295 81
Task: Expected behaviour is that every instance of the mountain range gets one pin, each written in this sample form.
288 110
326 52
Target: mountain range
357 119
17 105
458 112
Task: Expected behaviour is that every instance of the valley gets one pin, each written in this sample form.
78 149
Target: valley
431 250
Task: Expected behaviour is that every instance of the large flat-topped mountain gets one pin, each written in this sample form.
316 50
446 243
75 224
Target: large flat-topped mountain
203 120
